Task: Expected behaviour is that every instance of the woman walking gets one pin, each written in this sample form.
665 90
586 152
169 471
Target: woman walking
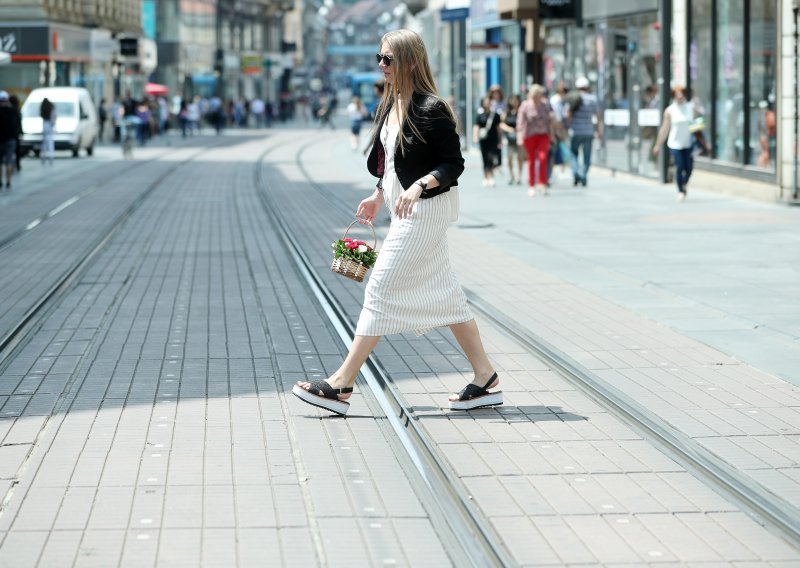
535 126
48 113
416 155
675 128
486 133
508 124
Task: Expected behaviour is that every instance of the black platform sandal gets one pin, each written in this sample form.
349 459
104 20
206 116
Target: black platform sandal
323 395
473 396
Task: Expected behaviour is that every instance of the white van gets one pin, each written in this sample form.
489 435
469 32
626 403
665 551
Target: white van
76 120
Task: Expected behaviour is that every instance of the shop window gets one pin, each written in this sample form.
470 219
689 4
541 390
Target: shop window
700 56
555 57
763 29
729 141
737 97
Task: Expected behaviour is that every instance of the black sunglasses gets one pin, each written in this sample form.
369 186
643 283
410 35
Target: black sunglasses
387 60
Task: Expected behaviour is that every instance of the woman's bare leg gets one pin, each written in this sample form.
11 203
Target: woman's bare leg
469 338
346 375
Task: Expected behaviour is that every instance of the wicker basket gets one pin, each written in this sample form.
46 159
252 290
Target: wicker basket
348 267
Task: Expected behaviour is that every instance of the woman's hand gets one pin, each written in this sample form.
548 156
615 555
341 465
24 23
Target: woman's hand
404 205
369 208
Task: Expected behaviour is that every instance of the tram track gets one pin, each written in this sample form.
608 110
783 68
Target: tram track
36 222
459 522
13 338
769 509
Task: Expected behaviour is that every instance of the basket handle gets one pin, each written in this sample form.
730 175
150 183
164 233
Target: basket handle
374 236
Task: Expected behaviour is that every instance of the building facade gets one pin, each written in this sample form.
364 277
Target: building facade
65 42
228 48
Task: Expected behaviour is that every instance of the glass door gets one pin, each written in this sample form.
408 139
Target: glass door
628 52
644 57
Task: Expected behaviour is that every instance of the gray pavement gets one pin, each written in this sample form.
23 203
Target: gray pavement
498 463
147 422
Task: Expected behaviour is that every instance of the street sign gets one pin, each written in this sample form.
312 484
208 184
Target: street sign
453 14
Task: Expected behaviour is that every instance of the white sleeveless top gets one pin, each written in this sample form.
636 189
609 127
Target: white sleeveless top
680 117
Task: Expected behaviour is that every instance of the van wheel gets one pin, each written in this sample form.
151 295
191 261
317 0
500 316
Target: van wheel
75 150
90 149
36 153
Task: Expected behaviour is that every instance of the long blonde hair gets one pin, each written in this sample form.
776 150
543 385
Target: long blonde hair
411 73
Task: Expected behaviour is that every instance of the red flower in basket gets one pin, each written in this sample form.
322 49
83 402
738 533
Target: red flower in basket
352 258
355 250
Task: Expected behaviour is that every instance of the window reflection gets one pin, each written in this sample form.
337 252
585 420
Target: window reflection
730 81
762 83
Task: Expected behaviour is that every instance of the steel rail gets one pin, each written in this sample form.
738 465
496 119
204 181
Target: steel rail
473 541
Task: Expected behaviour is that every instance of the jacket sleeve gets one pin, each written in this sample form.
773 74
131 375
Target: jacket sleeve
444 142
522 120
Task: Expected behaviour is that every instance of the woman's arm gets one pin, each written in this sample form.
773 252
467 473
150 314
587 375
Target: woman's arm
522 120
444 142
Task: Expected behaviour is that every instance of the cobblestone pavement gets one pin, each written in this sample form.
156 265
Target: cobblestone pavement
146 421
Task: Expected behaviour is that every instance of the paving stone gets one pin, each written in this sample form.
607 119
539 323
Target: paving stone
180 547
11 458
61 548
177 412
22 548
25 430
100 548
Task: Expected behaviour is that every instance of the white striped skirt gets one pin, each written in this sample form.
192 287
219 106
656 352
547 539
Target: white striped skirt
412 286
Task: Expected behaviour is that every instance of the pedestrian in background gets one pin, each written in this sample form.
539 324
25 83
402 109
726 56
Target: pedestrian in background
417 159
193 115
535 126
14 101
585 122
558 102
675 128
486 133
47 111
497 103
183 117
514 152
9 130
377 91
257 109
356 113
117 113
497 99
325 112
102 117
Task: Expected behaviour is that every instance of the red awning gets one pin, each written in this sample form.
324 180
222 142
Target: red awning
155 89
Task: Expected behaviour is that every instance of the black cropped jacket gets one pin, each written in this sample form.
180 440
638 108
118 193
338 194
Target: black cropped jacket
438 153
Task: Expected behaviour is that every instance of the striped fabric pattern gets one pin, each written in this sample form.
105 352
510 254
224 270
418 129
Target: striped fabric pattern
412 286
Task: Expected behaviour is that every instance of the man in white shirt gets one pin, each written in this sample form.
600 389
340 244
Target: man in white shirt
257 109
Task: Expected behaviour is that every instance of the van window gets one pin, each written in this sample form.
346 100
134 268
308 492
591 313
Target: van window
62 109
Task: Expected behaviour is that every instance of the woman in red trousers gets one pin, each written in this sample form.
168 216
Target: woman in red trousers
536 126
